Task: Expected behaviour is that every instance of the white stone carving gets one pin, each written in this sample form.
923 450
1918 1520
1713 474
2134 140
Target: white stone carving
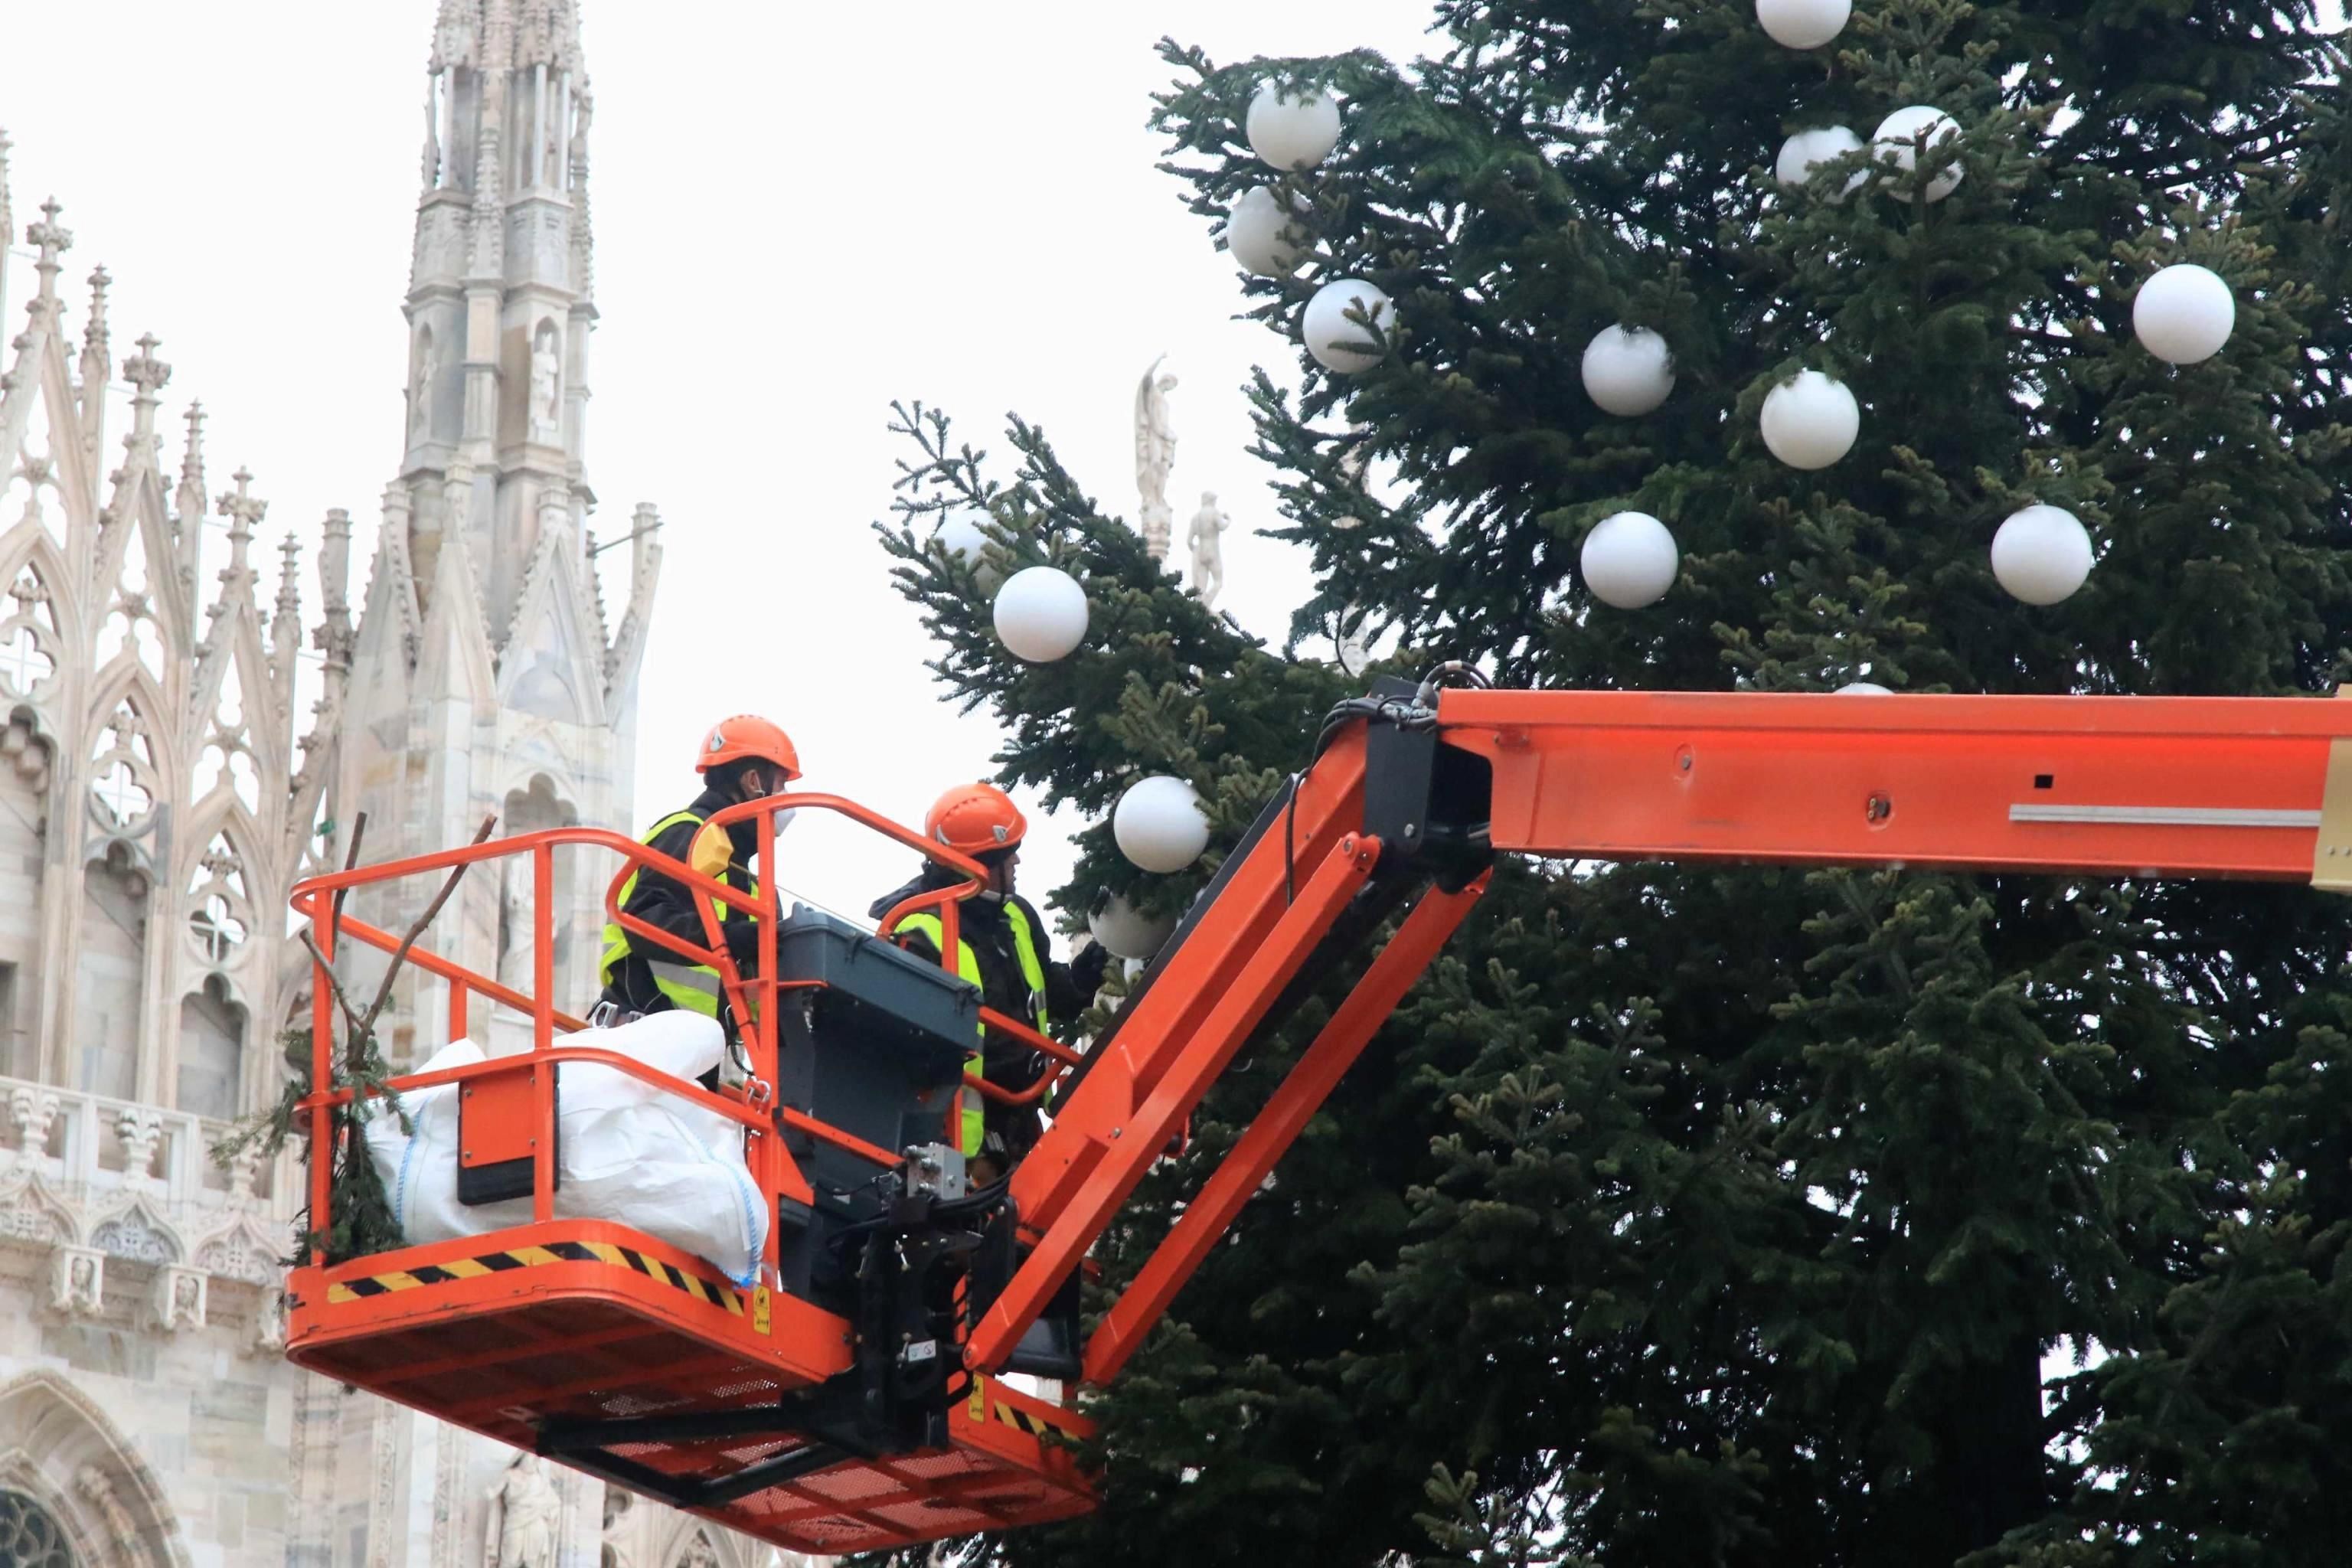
266 1340
246 1250
1155 456
32 1109
546 386
122 1532
1206 540
142 1129
33 1215
176 1298
523 1515
78 1281
137 1234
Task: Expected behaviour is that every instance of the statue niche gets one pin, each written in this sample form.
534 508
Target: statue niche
546 412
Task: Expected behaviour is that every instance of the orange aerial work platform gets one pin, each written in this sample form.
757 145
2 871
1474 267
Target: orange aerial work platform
852 1397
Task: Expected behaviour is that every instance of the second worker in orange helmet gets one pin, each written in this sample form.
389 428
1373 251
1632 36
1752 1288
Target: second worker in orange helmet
1006 950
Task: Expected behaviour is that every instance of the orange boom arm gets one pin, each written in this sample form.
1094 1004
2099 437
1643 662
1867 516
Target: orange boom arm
1408 795
2181 786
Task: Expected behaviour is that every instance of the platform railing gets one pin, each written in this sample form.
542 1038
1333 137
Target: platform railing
321 902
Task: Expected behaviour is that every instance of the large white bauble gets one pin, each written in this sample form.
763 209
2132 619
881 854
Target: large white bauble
2042 554
2184 313
1810 421
1896 141
1040 613
1159 825
1863 689
960 536
1124 932
1801 152
1254 227
1290 127
1803 24
1630 560
1627 371
1332 337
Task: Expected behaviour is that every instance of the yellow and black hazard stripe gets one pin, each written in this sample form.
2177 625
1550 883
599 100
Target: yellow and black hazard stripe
1012 1416
712 1291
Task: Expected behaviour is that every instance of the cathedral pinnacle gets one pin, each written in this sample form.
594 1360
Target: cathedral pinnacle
146 374
289 589
93 336
50 240
243 512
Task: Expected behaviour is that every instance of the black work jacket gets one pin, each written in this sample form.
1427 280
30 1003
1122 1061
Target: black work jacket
663 903
1004 1059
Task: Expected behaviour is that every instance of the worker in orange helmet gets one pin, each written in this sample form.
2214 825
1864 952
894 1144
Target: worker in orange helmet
1004 950
742 758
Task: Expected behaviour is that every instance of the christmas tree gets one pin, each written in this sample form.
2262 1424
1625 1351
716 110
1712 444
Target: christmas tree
1741 1215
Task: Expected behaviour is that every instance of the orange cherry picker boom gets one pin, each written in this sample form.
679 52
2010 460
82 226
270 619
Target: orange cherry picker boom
853 1398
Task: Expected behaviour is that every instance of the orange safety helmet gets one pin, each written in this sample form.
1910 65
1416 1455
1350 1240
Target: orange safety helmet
976 818
744 737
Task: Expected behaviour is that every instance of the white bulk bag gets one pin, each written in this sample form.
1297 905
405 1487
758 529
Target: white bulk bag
629 1152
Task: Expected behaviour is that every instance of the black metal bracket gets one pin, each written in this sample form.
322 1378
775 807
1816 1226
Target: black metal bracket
823 1421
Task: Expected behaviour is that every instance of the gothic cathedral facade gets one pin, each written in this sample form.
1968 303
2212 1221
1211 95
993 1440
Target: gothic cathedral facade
178 752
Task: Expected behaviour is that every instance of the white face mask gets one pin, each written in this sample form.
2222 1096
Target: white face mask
784 817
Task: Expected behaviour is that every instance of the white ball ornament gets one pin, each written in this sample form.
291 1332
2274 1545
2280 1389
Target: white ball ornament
1040 613
1159 825
2184 314
1254 227
1810 420
1627 371
1803 24
1630 560
960 536
2042 554
1124 932
1863 689
1292 127
1806 148
1332 338
1896 139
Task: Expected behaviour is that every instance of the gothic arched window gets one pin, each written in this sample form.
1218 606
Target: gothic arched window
212 1051
30 1537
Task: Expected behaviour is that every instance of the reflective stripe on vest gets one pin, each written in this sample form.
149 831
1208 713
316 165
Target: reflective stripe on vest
693 986
970 1121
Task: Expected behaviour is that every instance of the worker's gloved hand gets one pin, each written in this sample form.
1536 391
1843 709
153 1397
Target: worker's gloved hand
744 944
1087 967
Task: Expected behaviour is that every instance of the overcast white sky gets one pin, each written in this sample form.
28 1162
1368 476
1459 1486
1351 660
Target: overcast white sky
800 214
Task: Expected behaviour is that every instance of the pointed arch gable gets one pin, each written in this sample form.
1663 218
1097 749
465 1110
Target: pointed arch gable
139 509
390 614
78 476
232 711
78 1462
247 1250
137 1231
455 652
50 392
30 1211
552 666
228 891
34 623
127 682
22 548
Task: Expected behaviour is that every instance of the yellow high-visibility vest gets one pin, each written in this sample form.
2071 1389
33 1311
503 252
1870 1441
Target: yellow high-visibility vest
971 1122
693 986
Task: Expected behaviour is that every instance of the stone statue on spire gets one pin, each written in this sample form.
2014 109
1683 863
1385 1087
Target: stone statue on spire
1206 539
1155 456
